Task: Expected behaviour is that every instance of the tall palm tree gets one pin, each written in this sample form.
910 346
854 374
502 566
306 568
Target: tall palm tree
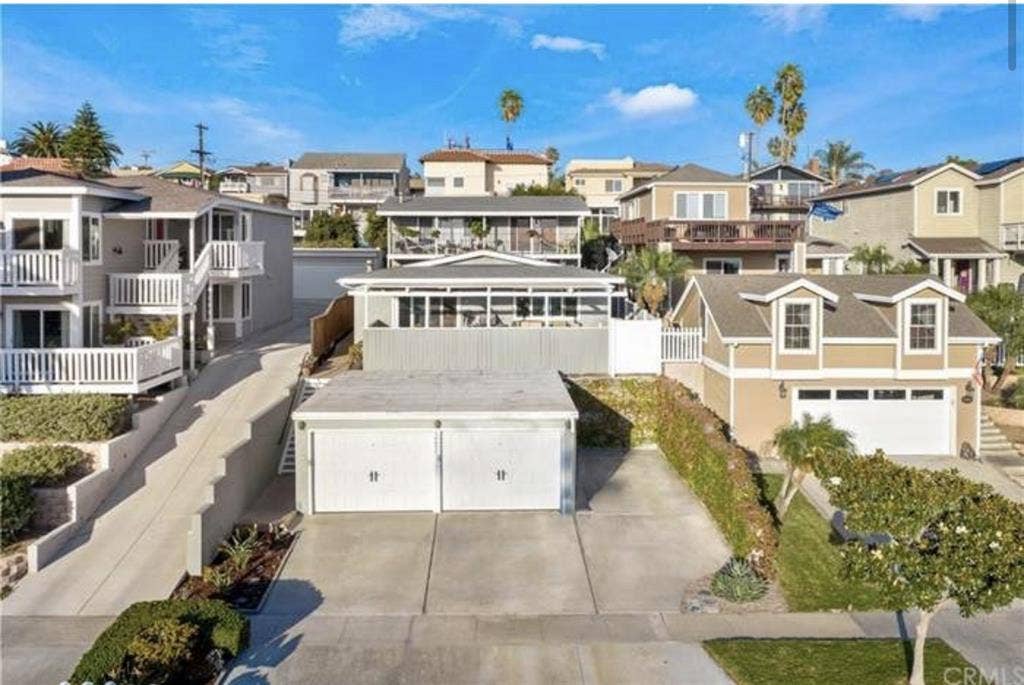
510 104
841 162
39 139
760 105
789 87
650 273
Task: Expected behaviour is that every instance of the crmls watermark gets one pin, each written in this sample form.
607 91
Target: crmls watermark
971 675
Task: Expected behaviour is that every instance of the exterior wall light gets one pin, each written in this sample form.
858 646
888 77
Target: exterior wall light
968 393
301 425
782 390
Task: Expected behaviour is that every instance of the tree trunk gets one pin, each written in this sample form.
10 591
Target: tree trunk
794 487
781 497
1008 367
920 635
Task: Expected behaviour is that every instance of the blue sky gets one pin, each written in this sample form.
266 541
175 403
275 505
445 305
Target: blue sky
908 85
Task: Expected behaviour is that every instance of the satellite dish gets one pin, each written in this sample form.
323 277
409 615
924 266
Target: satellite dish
743 140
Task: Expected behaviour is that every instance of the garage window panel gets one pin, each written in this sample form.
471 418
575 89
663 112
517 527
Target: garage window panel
928 394
814 394
890 394
851 394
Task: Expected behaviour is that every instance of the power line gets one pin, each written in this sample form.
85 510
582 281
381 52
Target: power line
146 154
202 153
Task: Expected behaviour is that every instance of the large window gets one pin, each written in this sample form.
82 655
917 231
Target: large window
37 234
579 181
613 185
923 327
722 266
701 205
35 328
947 201
435 181
91 252
797 326
92 326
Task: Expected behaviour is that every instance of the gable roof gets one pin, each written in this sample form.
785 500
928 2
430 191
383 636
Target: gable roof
482 155
765 172
686 173
58 165
163 196
636 168
997 170
256 169
849 317
889 181
389 161
954 247
32 181
486 205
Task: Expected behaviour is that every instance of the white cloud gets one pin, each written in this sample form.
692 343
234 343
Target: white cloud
792 19
230 44
653 101
542 41
366 26
921 13
247 124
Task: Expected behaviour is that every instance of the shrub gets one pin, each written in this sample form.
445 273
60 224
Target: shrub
161 652
219 627
162 328
737 581
65 418
17 504
45 465
615 412
117 332
1014 397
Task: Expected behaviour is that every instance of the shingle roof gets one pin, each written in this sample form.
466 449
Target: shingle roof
30 177
52 164
261 169
351 160
687 173
478 155
484 272
168 196
486 205
820 246
999 168
953 247
849 317
884 181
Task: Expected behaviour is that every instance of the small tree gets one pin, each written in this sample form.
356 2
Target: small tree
933 538
649 274
874 258
89 147
1002 308
478 231
803 444
376 233
334 230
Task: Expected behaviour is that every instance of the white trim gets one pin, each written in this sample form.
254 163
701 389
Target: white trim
813 325
949 165
1000 179
860 341
923 284
153 215
432 213
243 286
760 373
732 391
484 281
677 184
8 190
74 311
83 321
789 259
790 287
939 325
475 254
959 202
966 340
10 217
700 194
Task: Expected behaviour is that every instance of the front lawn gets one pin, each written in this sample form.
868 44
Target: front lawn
809 563
836 662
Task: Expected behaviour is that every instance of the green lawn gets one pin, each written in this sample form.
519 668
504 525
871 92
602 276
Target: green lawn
834 662
809 562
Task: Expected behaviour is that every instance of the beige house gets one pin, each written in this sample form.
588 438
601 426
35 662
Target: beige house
345 182
475 172
601 181
705 215
266 183
893 359
967 225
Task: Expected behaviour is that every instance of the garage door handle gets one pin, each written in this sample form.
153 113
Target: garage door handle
501 474
374 476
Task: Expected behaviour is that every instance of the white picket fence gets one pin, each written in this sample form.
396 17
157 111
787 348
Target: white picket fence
682 345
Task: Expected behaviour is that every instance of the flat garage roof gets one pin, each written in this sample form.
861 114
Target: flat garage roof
440 394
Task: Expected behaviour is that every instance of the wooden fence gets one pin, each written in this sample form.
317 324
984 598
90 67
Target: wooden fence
326 329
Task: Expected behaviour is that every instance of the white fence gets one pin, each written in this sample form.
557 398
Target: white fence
55 268
634 346
681 345
91 369
230 255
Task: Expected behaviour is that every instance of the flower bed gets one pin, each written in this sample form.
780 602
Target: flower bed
243 569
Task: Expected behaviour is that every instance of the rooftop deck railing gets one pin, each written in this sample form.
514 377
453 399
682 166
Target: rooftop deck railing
720 231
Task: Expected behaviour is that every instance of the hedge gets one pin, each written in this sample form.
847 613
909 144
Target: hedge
17 504
628 412
45 465
63 418
220 627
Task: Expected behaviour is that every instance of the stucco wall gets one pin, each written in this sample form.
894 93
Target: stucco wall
750 262
508 176
474 175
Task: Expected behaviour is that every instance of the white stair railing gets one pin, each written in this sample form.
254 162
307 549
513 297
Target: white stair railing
681 345
201 272
161 255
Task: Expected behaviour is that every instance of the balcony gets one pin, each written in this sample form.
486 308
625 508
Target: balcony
121 370
357 193
710 233
233 187
236 258
1011 237
792 200
551 243
39 272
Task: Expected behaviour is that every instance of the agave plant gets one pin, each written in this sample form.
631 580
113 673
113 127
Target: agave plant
737 581
241 547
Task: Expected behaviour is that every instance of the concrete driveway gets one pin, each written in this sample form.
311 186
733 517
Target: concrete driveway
638 539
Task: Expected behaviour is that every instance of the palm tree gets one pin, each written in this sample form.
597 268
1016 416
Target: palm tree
760 105
875 259
841 162
39 139
801 445
510 104
650 273
789 87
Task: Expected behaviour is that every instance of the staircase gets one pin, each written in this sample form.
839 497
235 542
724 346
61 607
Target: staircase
307 387
997 451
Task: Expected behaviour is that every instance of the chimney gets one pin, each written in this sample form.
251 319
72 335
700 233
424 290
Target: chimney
814 166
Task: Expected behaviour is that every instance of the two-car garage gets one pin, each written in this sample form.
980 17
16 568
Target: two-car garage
424 441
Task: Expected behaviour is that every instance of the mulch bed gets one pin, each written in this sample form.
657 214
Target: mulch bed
249 584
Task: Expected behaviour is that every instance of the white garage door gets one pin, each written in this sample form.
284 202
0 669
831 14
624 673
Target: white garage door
501 469
374 470
898 421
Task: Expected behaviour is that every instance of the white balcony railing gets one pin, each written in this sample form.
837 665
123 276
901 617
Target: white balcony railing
1011 237
233 187
40 268
167 290
91 369
360 192
160 255
236 257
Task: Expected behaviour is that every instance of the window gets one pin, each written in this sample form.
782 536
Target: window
38 234
923 328
412 312
443 312
458 182
579 182
796 326
947 202
890 394
527 307
701 205
782 264
36 328
435 181
927 394
814 394
92 330
563 307
722 266
91 240
245 226
246 300
851 394
613 185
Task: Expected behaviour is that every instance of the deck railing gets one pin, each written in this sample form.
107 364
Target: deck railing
720 231
150 290
236 256
233 187
34 268
523 241
1011 237
682 345
91 369
160 255
360 192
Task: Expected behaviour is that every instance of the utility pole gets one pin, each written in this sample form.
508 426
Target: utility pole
146 154
202 153
748 157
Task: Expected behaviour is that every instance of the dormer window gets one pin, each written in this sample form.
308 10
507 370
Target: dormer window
797 326
947 202
923 327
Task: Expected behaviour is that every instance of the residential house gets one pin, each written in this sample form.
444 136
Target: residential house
784 191
476 171
601 181
891 358
487 310
966 224
265 183
345 182
705 215
77 253
185 173
541 226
